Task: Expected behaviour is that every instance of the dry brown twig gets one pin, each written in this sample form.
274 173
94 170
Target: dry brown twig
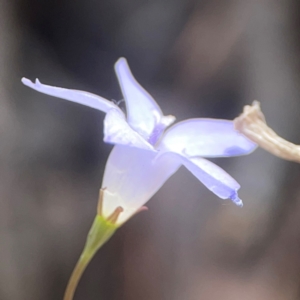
253 125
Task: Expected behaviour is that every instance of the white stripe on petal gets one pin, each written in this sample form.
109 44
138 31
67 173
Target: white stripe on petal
81 97
206 137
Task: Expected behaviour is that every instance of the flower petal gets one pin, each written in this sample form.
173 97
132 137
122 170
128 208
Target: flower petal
76 96
143 113
132 176
117 131
214 178
206 137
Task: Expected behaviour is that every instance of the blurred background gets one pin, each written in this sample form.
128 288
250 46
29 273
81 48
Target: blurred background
198 59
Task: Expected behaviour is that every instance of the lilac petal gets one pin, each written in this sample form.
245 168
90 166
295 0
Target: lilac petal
132 176
206 137
214 178
117 131
76 96
143 113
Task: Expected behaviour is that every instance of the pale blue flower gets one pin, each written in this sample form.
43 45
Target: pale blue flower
146 154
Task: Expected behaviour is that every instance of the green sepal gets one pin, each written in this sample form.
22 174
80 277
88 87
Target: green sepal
100 233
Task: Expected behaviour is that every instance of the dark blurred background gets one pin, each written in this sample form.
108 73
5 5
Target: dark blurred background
198 59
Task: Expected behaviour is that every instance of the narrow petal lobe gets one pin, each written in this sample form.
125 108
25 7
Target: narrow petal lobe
81 97
206 137
143 113
214 178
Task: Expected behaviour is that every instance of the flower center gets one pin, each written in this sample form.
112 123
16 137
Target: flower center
156 133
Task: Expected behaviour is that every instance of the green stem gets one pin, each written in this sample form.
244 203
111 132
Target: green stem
99 233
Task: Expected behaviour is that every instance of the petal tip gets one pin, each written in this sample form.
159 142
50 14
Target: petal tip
26 81
236 200
121 62
30 83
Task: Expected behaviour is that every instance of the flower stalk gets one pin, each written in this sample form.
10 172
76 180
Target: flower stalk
101 231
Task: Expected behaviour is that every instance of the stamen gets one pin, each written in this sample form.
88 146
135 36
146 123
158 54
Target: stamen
113 218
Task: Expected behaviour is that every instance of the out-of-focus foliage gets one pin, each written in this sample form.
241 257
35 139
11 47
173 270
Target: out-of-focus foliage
198 59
